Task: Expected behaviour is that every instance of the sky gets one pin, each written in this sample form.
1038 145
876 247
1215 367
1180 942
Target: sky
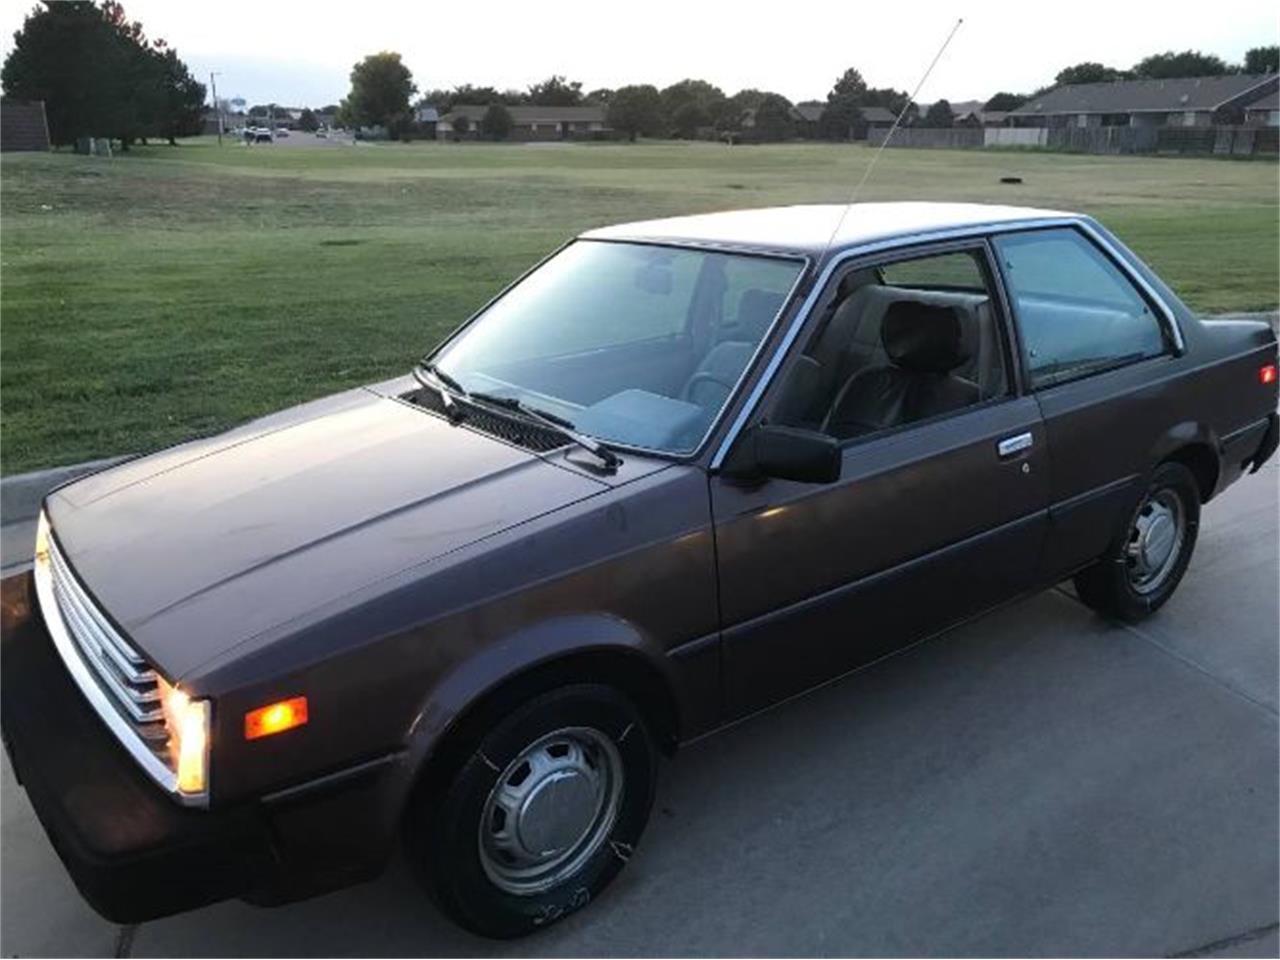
300 54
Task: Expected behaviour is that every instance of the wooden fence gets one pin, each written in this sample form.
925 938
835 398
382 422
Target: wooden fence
1221 140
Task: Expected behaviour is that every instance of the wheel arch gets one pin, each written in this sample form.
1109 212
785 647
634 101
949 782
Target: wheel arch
1195 446
565 650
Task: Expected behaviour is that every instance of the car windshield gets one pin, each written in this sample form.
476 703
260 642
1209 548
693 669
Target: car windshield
634 344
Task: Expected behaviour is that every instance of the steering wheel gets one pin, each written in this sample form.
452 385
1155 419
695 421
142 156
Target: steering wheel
703 376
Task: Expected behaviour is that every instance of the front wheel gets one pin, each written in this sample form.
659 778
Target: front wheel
1150 554
541 816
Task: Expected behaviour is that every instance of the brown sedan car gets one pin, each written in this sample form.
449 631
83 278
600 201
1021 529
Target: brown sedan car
678 472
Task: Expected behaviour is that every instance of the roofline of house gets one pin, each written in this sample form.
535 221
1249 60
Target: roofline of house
1264 79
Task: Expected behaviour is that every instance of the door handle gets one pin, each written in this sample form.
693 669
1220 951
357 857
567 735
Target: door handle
1011 445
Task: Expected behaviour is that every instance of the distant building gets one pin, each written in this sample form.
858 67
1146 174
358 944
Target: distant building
1265 111
1181 102
805 116
876 118
529 123
427 118
23 125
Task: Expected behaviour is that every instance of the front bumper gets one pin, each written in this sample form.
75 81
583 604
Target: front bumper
132 852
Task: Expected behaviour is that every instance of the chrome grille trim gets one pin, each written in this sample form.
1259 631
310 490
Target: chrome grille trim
112 676
133 688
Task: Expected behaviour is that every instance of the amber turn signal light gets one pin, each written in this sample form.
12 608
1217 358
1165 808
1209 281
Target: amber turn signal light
275 718
1267 374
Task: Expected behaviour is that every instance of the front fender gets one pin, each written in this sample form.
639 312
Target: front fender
542 644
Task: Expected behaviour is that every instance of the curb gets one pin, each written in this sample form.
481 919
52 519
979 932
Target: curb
21 496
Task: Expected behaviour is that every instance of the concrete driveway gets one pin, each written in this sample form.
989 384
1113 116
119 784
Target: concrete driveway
1038 782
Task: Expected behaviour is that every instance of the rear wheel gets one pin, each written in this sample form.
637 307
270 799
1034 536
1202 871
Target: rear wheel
1150 554
541 816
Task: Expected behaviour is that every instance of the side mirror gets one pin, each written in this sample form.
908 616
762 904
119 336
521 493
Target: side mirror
790 453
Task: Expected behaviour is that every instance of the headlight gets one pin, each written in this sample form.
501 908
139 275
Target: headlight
41 551
187 722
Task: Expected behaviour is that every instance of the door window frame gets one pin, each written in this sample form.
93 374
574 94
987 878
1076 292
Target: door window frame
754 390
978 245
1170 334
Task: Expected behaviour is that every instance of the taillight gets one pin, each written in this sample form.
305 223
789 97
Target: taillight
1267 374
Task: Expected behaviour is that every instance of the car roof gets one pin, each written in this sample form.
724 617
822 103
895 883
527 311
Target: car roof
807 229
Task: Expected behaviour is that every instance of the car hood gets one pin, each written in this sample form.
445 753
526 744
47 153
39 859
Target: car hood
195 549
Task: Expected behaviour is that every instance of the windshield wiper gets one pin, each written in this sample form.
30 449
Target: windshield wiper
450 390
559 424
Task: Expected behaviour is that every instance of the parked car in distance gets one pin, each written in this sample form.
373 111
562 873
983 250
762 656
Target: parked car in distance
282 131
321 133
678 472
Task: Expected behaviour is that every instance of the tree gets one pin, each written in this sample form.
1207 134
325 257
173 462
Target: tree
600 96
496 123
773 118
99 75
850 86
179 100
308 121
939 114
1005 101
892 100
1262 60
381 86
635 110
1188 63
555 91
461 126
692 105
843 111
1088 72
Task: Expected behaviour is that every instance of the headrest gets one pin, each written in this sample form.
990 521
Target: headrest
756 310
922 337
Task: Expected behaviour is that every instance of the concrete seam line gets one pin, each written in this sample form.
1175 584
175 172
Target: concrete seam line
1257 933
1181 658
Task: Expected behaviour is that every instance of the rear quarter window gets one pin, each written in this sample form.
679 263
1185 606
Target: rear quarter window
1078 313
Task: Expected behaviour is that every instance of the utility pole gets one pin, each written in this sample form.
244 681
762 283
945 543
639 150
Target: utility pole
213 84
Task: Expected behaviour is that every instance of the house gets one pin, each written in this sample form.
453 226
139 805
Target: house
1180 102
427 118
1265 111
982 118
875 118
806 116
528 123
23 125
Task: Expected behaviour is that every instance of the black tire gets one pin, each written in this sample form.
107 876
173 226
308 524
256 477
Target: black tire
443 827
1109 585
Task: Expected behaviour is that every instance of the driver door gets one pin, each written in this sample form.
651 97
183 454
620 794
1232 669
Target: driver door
940 509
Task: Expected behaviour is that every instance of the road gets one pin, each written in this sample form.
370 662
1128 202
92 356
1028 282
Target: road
1038 782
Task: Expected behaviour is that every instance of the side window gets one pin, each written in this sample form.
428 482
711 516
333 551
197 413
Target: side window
950 271
902 342
1078 313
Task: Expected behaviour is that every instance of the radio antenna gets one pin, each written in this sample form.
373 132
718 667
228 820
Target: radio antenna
892 130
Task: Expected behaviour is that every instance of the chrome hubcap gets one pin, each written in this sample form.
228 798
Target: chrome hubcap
550 810
1155 541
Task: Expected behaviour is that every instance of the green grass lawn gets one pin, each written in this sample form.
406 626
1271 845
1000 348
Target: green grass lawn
175 291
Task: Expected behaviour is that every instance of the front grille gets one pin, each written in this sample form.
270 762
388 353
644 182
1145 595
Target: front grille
512 429
132 686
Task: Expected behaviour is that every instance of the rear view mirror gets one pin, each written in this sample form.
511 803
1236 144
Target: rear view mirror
790 453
